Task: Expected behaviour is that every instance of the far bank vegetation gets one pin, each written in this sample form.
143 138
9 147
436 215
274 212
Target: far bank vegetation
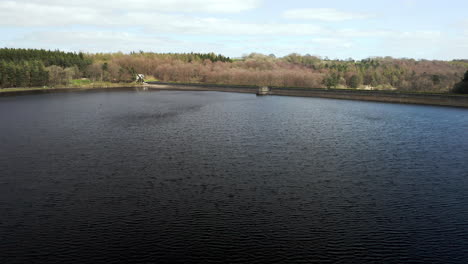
24 68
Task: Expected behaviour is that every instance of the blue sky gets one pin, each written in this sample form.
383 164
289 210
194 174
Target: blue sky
421 29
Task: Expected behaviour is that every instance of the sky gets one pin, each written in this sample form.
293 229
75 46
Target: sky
337 29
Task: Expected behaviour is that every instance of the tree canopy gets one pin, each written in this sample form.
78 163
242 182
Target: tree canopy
29 67
462 87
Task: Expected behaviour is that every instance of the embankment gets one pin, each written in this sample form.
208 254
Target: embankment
377 96
28 91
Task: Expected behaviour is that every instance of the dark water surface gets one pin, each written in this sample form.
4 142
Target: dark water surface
156 177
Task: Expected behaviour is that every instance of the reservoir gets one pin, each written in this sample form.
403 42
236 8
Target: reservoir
130 176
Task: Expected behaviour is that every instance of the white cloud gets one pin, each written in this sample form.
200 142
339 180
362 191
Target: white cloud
99 41
332 42
165 23
323 14
196 25
206 6
30 14
463 25
398 44
36 15
354 33
409 3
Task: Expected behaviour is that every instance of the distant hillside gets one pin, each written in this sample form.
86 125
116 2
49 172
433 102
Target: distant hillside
294 70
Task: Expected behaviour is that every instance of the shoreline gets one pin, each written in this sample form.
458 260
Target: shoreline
451 100
6 92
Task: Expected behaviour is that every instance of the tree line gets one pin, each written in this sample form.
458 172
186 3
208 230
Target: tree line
47 57
23 74
38 67
29 67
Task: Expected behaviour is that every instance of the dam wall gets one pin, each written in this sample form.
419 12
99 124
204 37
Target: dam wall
363 95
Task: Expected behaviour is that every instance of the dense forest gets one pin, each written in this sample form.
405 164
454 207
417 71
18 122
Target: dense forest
29 67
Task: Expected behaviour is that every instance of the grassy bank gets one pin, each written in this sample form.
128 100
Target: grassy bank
83 84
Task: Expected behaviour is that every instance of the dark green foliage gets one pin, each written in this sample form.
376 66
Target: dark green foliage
22 74
185 57
105 66
435 79
355 81
27 67
462 87
211 56
48 58
332 80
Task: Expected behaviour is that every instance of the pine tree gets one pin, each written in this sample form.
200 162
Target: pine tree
462 87
355 81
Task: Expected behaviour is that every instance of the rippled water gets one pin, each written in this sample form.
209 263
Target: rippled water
157 177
